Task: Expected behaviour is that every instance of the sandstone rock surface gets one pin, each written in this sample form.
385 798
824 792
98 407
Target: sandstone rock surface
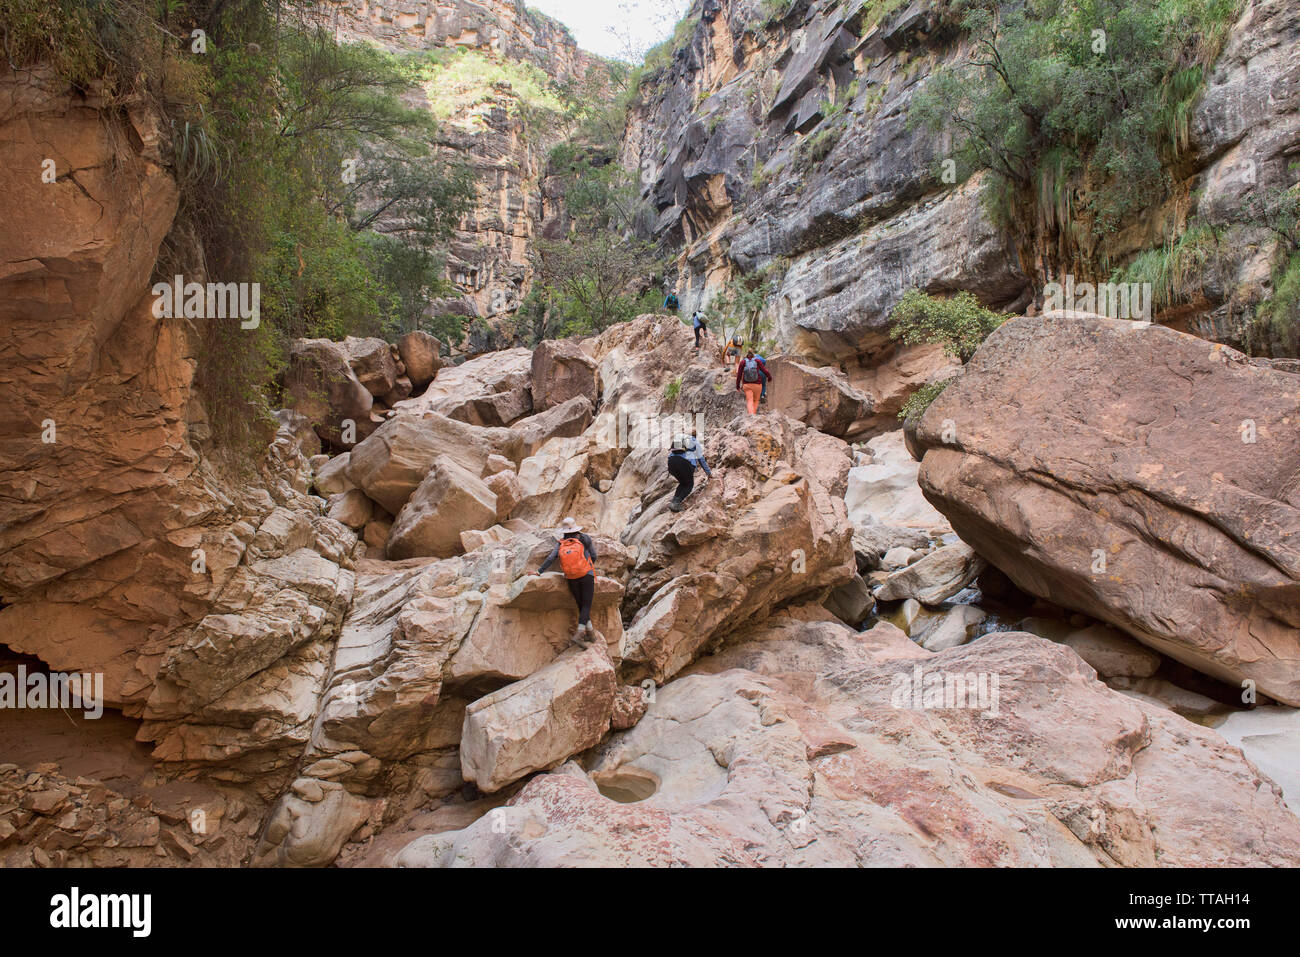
757 757
1108 467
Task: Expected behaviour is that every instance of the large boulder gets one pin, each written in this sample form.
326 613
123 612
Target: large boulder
391 463
561 371
423 639
818 396
310 825
934 578
755 758
320 384
564 420
1137 474
768 528
332 477
351 508
372 362
492 390
450 500
420 354
554 483
539 722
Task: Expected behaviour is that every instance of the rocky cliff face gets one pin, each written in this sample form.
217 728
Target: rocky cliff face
202 598
506 28
488 261
784 145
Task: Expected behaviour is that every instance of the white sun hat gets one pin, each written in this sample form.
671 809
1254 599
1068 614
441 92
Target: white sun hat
568 526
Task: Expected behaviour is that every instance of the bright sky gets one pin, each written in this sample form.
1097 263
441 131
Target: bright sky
615 28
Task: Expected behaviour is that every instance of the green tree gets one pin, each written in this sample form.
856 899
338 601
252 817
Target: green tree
594 280
737 309
959 323
598 273
1075 106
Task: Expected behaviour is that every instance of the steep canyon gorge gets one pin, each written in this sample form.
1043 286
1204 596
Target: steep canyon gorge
333 650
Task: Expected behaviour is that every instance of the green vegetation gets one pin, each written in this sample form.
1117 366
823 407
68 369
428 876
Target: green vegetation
817 146
873 11
959 323
659 58
673 389
1281 312
762 176
737 310
598 274
1277 325
920 400
1076 106
1174 269
458 79
300 166
1203 258
772 12
81 40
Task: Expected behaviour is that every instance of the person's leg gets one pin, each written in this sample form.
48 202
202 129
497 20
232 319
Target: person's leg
586 594
575 589
684 472
697 337
752 392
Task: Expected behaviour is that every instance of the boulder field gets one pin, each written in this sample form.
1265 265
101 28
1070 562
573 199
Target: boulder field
808 665
1052 621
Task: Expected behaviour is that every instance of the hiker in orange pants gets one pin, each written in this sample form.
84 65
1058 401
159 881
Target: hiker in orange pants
751 373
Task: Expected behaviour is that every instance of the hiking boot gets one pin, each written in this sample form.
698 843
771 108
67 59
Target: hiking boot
675 506
580 637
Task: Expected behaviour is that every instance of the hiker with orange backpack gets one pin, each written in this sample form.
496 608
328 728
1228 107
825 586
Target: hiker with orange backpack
577 557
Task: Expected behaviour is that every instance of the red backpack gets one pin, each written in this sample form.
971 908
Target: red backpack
573 559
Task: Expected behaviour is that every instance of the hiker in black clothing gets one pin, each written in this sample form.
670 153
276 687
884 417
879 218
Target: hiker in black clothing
577 555
682 462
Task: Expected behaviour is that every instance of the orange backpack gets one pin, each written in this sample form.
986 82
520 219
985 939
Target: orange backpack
573 559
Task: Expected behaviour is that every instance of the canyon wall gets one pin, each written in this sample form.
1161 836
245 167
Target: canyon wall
123 550
488 129
783 144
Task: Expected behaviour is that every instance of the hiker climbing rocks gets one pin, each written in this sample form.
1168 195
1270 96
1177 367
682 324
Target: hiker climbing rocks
701 326
682 462
751 373
734 349
763 398
671 303
577 557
